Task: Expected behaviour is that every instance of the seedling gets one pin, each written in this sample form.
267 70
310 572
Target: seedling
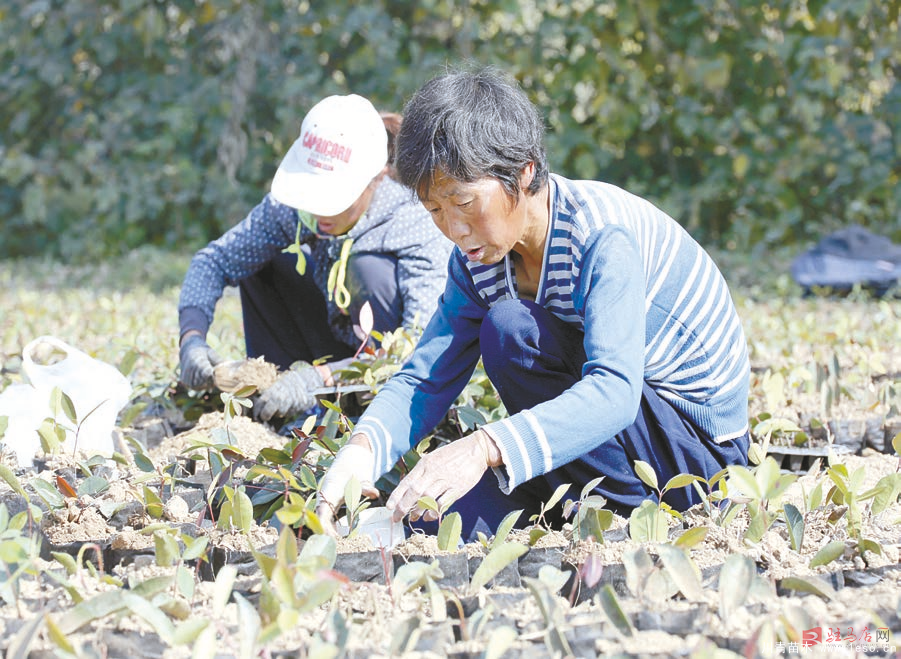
591 519
540 526
649 521
762 488
544 589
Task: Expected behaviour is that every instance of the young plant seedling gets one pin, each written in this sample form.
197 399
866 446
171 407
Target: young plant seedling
591 518
540 526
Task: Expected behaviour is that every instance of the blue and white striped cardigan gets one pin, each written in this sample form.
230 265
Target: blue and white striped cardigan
607 251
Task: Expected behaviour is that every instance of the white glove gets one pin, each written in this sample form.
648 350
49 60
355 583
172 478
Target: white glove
352 461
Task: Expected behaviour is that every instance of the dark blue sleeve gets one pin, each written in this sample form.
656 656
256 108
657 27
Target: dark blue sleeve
240 252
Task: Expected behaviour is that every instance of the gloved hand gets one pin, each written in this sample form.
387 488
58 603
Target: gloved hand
292 392
352 461
445 474
197 359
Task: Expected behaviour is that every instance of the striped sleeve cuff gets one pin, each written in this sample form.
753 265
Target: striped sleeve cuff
524 449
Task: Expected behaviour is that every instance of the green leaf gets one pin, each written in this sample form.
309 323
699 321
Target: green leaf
683 571
499 641
450 531
681 480
866 545
736 577
144 463
536 534
589 486
610 605
96 608
828 553
692 537
242 512
646 473
152 503
556 496
504 528
222 590
323 546
745 482
794 520
66 560
184 579
48 493
194 547
4 424
166 549
896 443
68 407
428 503
554 578
188 631
496 560
7 474
150 614
275 456
811 584
59 639
20 644
92 486
647 523
51 435
638 565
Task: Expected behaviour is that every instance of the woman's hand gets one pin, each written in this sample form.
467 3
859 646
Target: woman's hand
354 460
445 475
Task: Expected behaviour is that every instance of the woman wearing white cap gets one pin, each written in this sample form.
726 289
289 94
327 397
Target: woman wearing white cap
336 231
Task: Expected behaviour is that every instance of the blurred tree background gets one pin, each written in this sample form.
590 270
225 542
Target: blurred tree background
133 122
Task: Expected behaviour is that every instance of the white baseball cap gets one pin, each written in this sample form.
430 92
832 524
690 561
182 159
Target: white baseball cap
342 147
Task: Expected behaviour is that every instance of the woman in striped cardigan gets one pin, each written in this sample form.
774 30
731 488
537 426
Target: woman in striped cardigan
608 332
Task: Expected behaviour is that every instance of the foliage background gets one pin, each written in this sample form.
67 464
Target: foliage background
134 122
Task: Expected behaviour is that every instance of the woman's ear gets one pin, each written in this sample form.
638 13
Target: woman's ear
526 175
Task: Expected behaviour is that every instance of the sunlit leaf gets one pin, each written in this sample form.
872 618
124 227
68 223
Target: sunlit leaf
496 560
449 532
556 496
692 537
794 520
504 528
828 553
735 580
611 607
683 571
646 473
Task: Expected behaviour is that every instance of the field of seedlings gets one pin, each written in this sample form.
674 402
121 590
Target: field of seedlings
197 538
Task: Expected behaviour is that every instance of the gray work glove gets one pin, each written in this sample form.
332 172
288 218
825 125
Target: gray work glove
292 392
197 360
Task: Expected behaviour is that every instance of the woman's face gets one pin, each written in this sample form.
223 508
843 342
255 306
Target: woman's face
479 217
338 225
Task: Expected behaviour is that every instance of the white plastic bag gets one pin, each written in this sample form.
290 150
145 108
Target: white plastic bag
89 382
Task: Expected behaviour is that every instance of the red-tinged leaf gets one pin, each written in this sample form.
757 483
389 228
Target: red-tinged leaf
65 489
232 455
591 570
333 575
301 449
298 432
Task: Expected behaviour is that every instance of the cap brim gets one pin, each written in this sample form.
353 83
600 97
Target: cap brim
317 192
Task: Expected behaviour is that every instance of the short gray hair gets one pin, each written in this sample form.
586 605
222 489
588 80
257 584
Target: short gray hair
471 125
